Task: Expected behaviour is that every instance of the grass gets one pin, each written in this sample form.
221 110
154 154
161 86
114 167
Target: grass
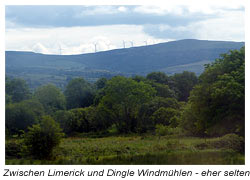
136 150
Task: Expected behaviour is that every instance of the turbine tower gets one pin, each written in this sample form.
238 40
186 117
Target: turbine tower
108 44
124 44
95 47
60 49
132 43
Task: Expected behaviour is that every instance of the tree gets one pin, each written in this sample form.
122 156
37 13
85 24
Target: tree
163 90
42 138
158 77
63 117
7 99
183 83
51 98
123 98
138 78
165 116
78 120
188 121
79 93
101 83
218 101
17 89
146 111
19 116
100 118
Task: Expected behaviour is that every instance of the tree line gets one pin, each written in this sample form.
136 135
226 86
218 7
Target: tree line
212 104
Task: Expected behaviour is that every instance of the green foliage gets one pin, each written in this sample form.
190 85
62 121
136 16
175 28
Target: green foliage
64 118
21 115
227 142
83 120
79 94
73 121
158 77
230 141
161 130
145 121
134 149
123 98
163 90
8 99
78 121
100 118
42 138
164 116
138 78
188 121
17 89
14 148
218 101
101 83
51 98
183 83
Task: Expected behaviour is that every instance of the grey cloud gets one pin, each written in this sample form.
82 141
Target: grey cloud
69 16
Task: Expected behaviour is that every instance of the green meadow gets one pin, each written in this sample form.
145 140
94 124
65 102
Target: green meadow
130 150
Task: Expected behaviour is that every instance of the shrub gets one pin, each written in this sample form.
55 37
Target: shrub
42 138
230 141
162 130
21 115
13 148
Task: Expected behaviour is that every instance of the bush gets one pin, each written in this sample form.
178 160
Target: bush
230 141
42 138
21 115
162 130
13 148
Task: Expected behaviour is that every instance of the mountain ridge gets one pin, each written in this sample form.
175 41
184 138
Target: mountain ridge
170 57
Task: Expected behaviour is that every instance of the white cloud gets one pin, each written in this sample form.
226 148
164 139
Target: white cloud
102 10
227 27
159 10
182 7
225 24
98 10
122 9
39 48
77 40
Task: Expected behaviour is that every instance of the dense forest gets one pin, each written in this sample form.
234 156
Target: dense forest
210 107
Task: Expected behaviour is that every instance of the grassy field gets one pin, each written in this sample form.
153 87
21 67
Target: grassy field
138 150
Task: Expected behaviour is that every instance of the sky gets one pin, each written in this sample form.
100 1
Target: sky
87 29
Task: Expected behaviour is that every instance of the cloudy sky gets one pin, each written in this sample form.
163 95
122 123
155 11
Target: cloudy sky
84 29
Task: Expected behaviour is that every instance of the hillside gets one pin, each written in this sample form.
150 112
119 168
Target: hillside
171 57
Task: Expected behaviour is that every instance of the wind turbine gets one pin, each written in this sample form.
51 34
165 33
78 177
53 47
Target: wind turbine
60 49
108 44
146 42
124 44
132 44
95 47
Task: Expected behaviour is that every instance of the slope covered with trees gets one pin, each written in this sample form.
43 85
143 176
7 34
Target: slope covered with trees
181 105
216 105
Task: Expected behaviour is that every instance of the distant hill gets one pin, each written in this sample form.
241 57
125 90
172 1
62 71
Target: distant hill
171 57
